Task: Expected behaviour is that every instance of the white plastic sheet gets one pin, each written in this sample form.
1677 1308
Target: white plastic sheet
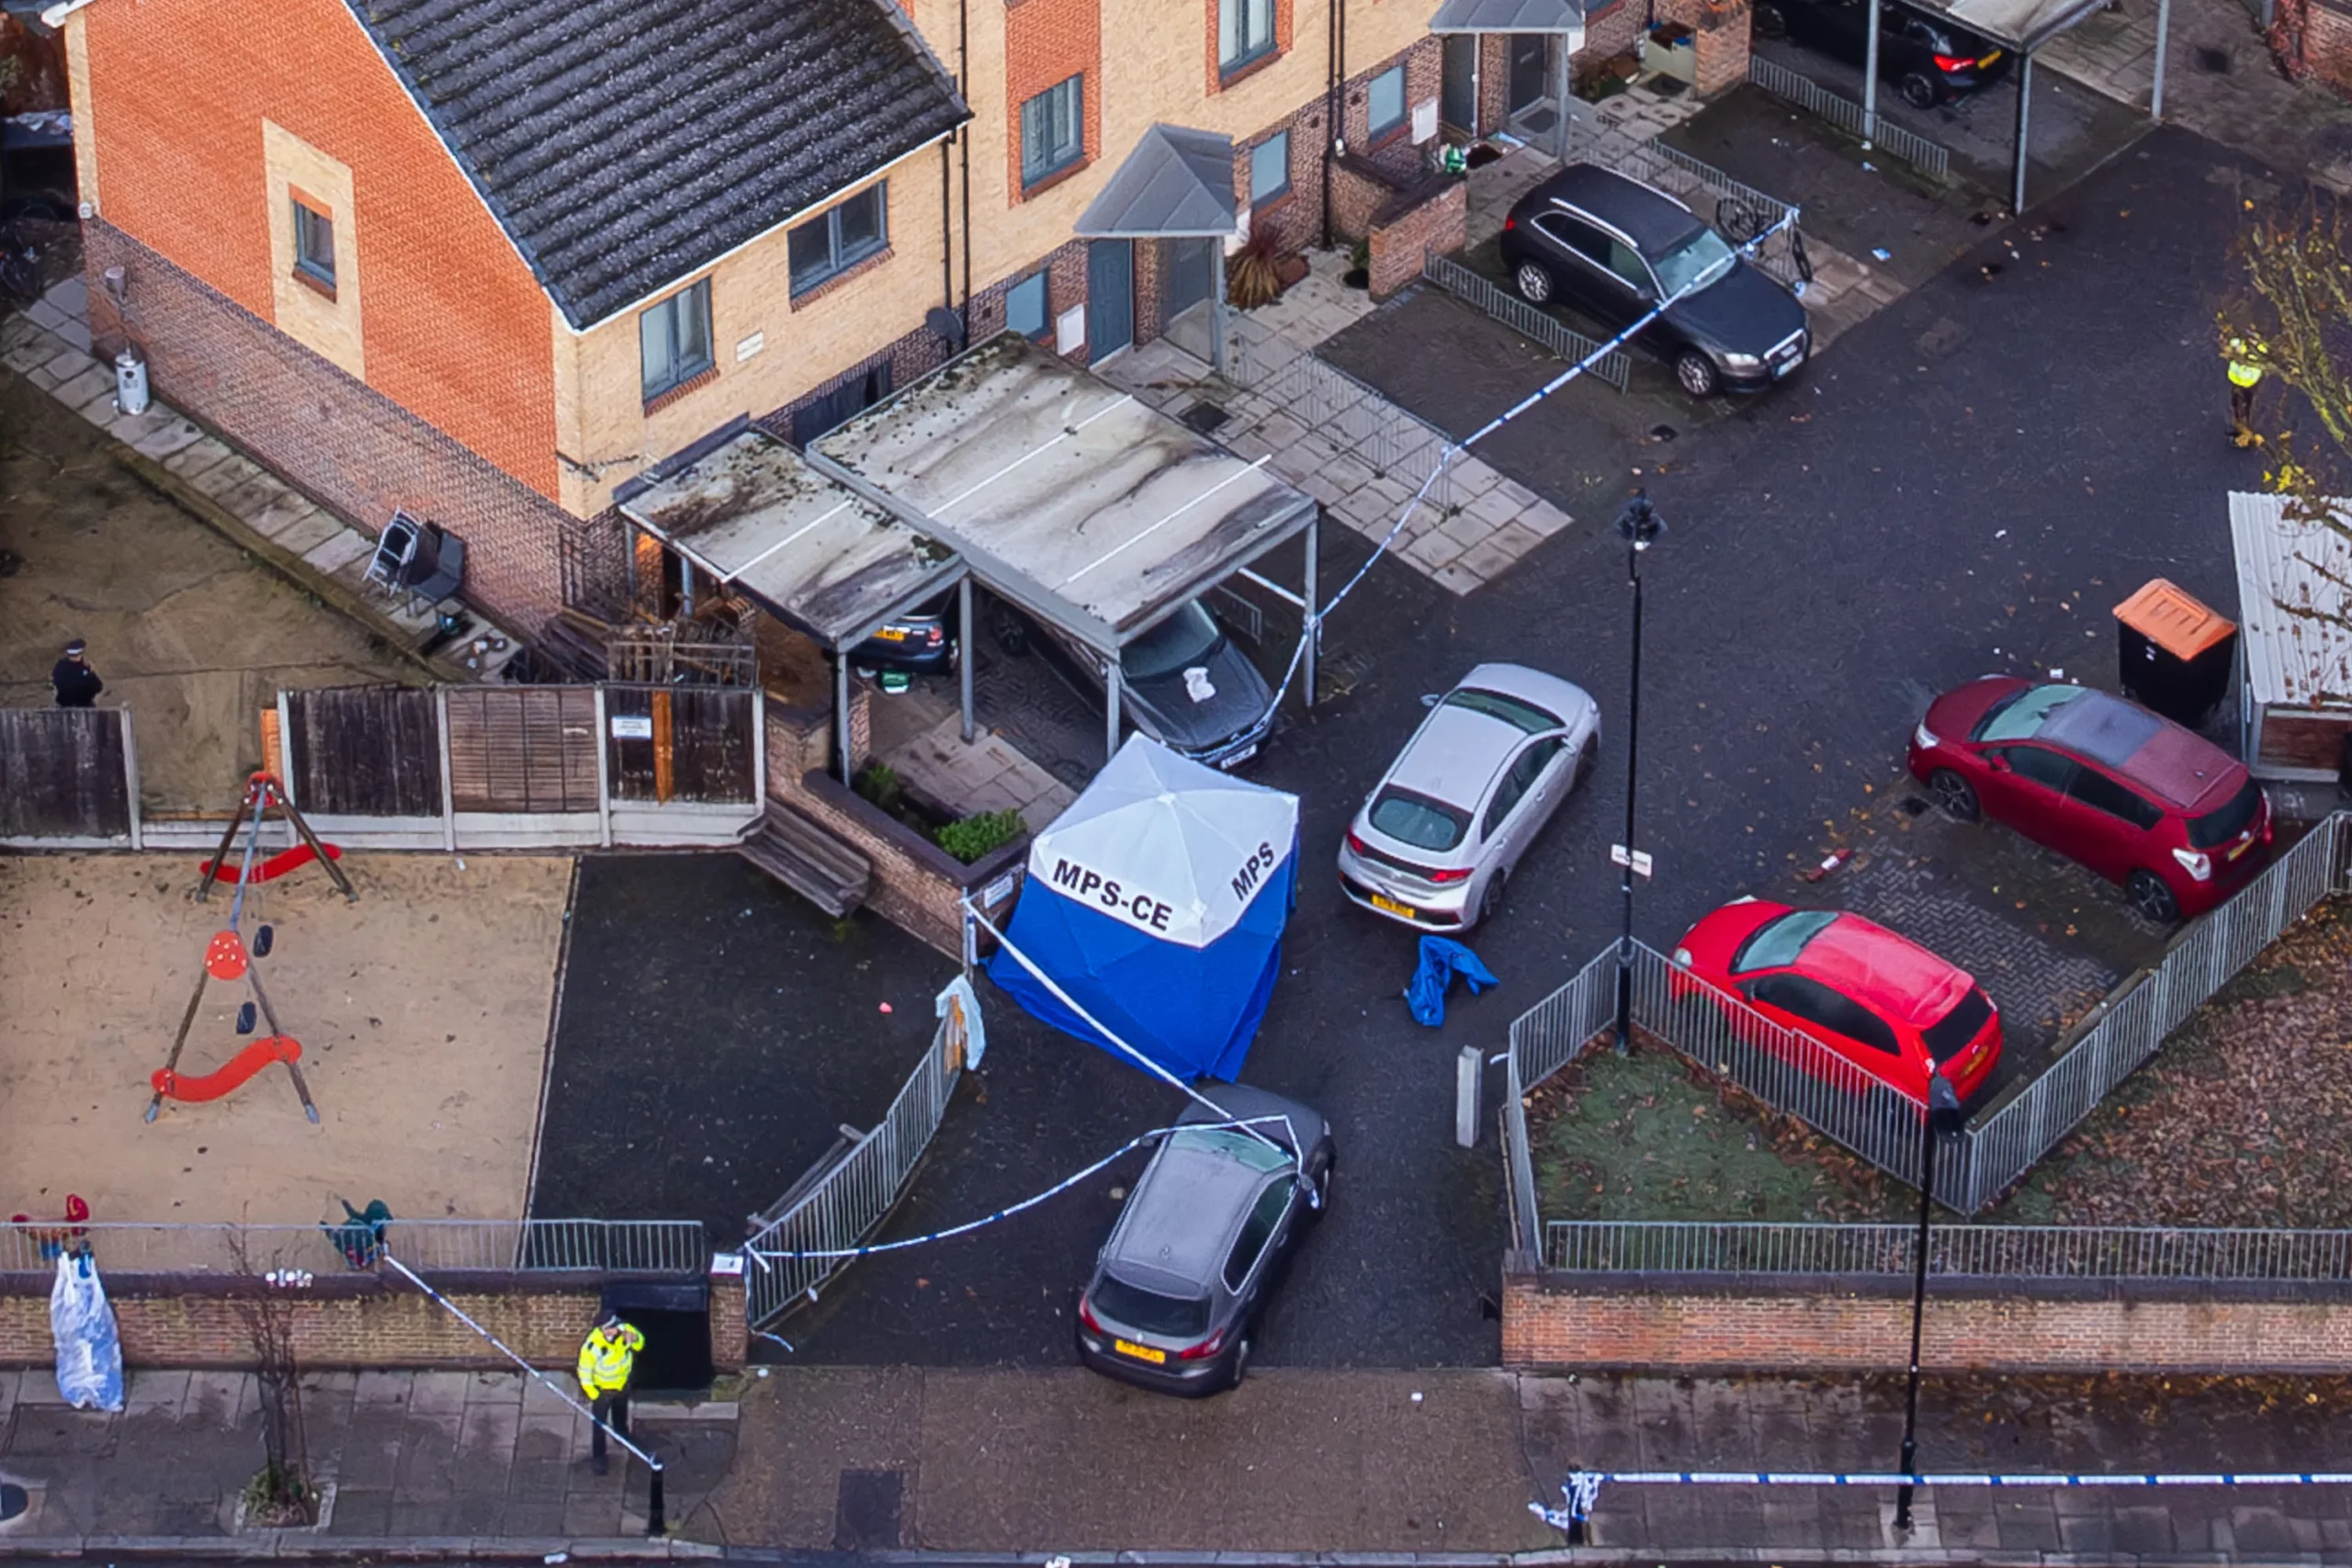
89 1351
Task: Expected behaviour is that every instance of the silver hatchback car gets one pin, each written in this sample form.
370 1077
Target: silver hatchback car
1436 840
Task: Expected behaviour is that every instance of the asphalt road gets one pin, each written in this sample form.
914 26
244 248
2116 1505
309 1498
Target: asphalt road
1964 483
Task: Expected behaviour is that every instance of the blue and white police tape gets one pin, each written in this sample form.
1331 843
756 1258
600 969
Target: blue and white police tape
765 1256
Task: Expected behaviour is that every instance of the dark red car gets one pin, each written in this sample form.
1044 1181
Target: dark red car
2176 819
1881 1002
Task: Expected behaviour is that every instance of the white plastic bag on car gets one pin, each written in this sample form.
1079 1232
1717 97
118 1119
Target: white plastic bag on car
89 1351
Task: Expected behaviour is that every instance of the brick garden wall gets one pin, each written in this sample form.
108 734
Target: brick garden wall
2328 43
1610 31
358 1320
1993 1326
1434 218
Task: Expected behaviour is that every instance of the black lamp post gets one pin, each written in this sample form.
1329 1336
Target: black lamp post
1942 1122
1639 526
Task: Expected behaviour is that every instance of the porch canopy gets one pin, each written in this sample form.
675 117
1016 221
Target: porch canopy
1508 17
1176 186
1090 510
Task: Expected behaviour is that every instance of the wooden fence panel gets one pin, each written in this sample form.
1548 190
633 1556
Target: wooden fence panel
526 749
62 773
363 752
683 744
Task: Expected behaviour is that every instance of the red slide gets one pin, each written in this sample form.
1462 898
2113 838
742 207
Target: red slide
230 1076
275 866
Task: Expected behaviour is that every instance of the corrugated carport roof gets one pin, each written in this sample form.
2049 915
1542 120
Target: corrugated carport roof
754 513
1063 493
2289 578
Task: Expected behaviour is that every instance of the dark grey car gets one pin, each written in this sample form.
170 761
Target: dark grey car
1179 1286
1183 683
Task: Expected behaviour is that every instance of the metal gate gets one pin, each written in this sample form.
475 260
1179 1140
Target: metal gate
364 750
67 778
681 743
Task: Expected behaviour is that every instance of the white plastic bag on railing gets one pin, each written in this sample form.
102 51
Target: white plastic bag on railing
964 1004
89 1352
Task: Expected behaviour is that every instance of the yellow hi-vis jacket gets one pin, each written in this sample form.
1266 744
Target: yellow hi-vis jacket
606 1359
2243 374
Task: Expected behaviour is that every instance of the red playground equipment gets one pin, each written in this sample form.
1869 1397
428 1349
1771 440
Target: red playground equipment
227 959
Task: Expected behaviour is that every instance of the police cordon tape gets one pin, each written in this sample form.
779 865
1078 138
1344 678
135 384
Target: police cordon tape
1446 459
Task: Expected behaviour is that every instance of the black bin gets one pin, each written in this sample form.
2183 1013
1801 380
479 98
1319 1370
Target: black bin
2173 652
674 1317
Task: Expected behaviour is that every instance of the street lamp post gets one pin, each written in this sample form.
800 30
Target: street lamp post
1942 1122
1639 525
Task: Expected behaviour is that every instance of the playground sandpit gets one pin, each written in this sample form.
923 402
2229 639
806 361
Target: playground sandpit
422 1010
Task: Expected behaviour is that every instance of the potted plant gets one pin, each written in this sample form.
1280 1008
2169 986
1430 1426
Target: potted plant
1359 273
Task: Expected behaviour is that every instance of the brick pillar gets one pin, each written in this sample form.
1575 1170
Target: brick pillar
1722 27
730 1338
861 723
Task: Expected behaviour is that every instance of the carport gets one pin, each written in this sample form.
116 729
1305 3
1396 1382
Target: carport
826 560
1094 513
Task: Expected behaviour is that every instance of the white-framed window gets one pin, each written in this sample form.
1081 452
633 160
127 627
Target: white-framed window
1384 103
313 244
1245 32
1269 168
1053 129
841 237
1027 308
673 339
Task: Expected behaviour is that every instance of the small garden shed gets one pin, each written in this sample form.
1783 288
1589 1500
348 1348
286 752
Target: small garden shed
2295 603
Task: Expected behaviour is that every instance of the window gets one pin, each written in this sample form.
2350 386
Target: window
313 245
1244 31
2218 828
673 340
2039 764
1132 1306
839 238
1815 1003
1256 1231
2021 712
1627 263
1269 168
1384 103
1582 238
1949 1035
1776 943
1519 781
2098 791
1053 129
1519 714
1025 306
1417 820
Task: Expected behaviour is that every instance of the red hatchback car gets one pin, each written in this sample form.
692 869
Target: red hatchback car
1880 1001
2176 819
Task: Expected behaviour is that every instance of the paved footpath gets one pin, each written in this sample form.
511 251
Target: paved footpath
1435 1465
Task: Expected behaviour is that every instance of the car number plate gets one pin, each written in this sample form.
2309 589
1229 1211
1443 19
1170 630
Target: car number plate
1988 59
890 634
1237 757
1141 1352
1381 901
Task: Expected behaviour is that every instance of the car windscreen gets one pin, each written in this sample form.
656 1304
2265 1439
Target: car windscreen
1131 1306
2021 716
1700 260
1949 1035
1236 1144
1186 638
1516 712
2219 827
1776 943
1417 820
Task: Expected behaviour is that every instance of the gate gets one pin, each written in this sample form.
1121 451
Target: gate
681 743
363 752
525 749
66 779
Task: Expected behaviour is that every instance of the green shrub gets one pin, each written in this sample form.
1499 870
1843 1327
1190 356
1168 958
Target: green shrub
879 784
980 834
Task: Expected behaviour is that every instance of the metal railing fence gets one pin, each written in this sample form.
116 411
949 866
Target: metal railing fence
1532 322
1354 418
604 1247
2004 1252
1739 210
844 1207
1846 115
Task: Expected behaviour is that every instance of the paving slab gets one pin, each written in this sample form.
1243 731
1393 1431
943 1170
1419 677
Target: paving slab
299 526
197 458
346 548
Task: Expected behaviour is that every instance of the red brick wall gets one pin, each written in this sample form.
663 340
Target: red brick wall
454 326
1548 1325
1424 64
1065 286
1047 41
2326 53
1609 33
345 443
1439 224
1723 38
353 1321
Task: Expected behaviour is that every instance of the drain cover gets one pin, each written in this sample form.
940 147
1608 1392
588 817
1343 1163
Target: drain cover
2213 62
13 1500
1204 417
865 1510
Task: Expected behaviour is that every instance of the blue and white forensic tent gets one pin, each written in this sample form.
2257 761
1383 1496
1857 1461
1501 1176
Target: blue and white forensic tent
1156 903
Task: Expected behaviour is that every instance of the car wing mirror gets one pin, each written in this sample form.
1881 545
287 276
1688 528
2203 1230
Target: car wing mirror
1431 699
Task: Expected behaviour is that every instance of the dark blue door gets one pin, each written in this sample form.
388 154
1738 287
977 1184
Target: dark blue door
1110 297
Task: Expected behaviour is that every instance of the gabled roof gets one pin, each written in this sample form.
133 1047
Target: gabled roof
1176 183
623 146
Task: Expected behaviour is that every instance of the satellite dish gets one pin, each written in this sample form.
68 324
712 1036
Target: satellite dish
945 325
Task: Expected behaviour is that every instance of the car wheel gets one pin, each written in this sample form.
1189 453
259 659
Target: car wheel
1955 795
1918 91
1587 760
2152 899
1241 1363
1696 372
1770 22
1323 1187
1491 901
1534 283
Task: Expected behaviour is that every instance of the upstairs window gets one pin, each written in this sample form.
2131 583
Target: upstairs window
313 245
1384 103
838 239
1053 131
673 340
1245 32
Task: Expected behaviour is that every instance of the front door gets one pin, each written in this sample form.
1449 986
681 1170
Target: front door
1110 298
1187 270
1458 88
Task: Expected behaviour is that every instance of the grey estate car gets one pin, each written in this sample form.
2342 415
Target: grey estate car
1436 840
1178 1289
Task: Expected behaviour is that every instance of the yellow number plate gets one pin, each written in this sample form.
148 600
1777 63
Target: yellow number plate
890 634
1141 1352
1382 902
1988 59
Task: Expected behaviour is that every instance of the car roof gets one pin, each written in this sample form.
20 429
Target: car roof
1183 1216
1652 220
2152 752
1891 973
1457 751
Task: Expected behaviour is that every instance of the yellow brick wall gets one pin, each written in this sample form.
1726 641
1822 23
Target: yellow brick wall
327 324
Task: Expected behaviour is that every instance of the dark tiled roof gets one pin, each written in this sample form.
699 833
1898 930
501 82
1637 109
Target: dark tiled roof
623 145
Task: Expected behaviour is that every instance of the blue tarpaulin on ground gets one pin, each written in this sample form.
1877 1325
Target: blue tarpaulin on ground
1441 959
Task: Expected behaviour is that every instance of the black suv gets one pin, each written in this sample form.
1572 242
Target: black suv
1612 248
1929 60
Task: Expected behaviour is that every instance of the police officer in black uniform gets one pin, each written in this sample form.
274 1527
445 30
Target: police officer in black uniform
77 684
